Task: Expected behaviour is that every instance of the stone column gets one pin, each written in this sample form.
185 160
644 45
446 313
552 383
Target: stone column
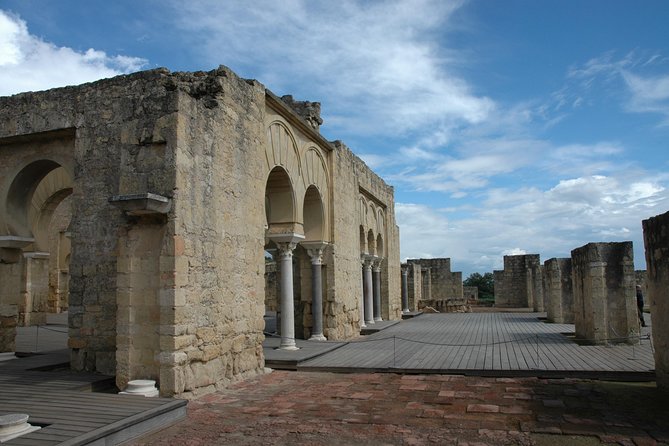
604 297
405 289
315 251
376 272
286 244
656 241
367 285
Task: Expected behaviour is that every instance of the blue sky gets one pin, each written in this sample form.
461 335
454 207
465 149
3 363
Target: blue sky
506 127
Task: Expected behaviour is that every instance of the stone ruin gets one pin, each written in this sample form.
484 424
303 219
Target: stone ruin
145 205
558 293
594 290
432 284
603 281
656 242
520 284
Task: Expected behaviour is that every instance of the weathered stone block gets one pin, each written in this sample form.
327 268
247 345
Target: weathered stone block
604 296
656 241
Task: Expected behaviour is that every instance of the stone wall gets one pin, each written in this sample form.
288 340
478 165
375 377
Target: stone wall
168 221
604 295
415 283
520 284
656 241
558 294
353 178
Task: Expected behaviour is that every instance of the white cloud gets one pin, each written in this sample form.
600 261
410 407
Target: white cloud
548 222
376 63
28 63
644 78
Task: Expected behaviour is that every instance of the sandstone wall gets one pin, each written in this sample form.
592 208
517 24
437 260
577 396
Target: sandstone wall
438 282
352 178
604 295
213 328
558 294
656 241
521 283
415 283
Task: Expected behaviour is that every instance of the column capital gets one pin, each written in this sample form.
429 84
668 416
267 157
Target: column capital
315 251
376 264
286 242
366 261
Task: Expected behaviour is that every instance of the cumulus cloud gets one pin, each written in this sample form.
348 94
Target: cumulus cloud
377 62
28 63
550 222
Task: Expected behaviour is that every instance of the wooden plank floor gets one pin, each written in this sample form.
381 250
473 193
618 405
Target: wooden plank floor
485 343
62 402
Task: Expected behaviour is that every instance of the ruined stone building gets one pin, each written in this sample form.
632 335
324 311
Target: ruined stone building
656 243
520 284
431 283
149 205
603 283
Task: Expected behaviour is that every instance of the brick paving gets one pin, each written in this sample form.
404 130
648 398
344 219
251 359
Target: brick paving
319 408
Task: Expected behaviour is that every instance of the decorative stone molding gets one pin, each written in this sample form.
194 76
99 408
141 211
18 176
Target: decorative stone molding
15 242
143 387
142 204
14 425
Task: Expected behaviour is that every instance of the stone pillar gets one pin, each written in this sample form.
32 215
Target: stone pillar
315 251
376 270
558 295
286 244
603 286
405 289
367 285
362 296
656 241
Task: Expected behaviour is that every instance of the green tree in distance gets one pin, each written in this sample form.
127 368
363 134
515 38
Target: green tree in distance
485 284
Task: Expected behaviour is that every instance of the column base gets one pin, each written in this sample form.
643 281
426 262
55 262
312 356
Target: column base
318 337
289 348
369 322
379 319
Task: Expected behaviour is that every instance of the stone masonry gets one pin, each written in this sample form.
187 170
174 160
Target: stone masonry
604 297
440 288
176 183
520 284
656 241
558 295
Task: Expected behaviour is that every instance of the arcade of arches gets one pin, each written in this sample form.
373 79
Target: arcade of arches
178 218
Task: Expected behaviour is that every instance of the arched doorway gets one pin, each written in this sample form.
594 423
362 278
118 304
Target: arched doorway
36 210
314 246
280 232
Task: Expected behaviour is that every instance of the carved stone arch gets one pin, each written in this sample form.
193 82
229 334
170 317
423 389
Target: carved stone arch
281 150
371 243
54 188
371 216
380 221
316 180
362 211
18 194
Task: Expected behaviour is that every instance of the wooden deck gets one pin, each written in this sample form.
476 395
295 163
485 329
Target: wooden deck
73 408
501 344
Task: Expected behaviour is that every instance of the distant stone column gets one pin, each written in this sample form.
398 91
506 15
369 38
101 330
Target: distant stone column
656 240
367 271
376 270
558 295
316 254
405 289
604 296
287 305
362 297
